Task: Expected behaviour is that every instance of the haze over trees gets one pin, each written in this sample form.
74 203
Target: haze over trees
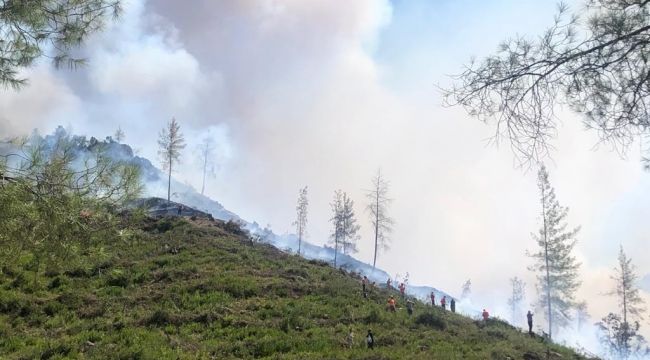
382 223
170 142
555 266
119 134
63 198
466 289
47 28
518 288
206 151
595 61
620 330
582 314
301 216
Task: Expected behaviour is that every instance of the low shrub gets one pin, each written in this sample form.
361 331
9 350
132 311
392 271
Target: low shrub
239 287
52 308
374 317
160 317
117 278
56 283
431 320
77 272
9 302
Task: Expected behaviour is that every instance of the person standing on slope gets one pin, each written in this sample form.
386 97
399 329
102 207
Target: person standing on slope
452 305
350 339
388 284
364 284
443 302
530 322
391 304
370 340
486 315
402 290
409 307
433 299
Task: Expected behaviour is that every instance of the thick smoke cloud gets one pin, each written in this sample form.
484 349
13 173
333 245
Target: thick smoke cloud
323 93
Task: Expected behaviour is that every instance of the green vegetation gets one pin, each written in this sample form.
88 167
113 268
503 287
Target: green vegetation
186 289
58 197
81 277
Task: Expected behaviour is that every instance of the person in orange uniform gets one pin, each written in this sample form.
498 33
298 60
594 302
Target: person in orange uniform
391 304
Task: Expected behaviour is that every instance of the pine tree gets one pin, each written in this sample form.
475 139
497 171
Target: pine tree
349 226
382 224
345 228
620 332
47 29
171 143
556 267
337 223
517 296
594 61
119 134
301 216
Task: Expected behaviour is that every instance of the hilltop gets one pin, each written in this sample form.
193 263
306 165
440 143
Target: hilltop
185 288
155 187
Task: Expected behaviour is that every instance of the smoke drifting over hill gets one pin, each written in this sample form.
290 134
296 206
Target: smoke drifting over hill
314 93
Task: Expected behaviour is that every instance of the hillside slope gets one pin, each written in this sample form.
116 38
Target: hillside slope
155 187
155 182
185 289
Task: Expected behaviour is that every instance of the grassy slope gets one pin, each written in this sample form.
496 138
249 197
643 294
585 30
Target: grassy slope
220 297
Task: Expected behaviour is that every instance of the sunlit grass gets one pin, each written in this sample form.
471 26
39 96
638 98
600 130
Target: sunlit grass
221 297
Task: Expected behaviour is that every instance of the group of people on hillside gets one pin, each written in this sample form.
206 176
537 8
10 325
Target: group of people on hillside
370 339
529 318
392 303
443 302
392 307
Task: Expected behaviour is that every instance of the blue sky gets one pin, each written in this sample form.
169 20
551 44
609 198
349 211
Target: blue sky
426 40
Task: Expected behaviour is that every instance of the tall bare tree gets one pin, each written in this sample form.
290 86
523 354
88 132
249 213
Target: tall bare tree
620 331
594 60
33 29
382 224
170 142
301 216
556 267
517 296
206 150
